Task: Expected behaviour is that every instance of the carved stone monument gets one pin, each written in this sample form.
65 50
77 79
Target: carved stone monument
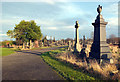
23 45
69 45
51 39
73 43
45 41
54 39
36 45
100 49
30 44
40 43
77 44
84 42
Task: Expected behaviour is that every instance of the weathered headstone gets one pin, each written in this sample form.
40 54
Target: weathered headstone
54 39
69 45
51 39
36 44
73 43
100 49
63 42
45 41
77 44
48 43
23 45
40 43
84 42
56 43
30 44
27 45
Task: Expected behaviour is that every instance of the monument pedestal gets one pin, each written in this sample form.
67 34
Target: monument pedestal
77 47
100 49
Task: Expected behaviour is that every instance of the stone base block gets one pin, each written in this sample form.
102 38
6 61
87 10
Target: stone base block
77 47
102 61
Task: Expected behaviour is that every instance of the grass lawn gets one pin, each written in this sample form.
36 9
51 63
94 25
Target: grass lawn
39 48
7 51
64 69
46 47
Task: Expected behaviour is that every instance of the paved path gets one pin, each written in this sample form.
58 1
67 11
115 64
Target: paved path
27 65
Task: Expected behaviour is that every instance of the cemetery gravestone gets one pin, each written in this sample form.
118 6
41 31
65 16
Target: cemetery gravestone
69 45
23 45
36 44
30 44
77 44
73 43
100 49
84 42
40 43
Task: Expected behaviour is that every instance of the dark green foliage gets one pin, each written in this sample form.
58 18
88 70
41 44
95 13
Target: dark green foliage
14 42
10 33
4 43
26 31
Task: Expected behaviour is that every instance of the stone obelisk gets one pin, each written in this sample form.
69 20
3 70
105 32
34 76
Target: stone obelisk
100 49
77 44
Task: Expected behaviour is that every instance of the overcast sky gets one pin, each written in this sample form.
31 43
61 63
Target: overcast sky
57 19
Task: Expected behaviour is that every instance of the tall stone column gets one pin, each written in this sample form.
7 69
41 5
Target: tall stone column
100 49
77 44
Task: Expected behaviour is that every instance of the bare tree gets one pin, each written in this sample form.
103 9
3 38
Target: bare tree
112 38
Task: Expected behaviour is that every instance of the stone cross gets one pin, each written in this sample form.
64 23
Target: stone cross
77 44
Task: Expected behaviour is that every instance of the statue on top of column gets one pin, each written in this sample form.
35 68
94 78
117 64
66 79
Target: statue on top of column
99 9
